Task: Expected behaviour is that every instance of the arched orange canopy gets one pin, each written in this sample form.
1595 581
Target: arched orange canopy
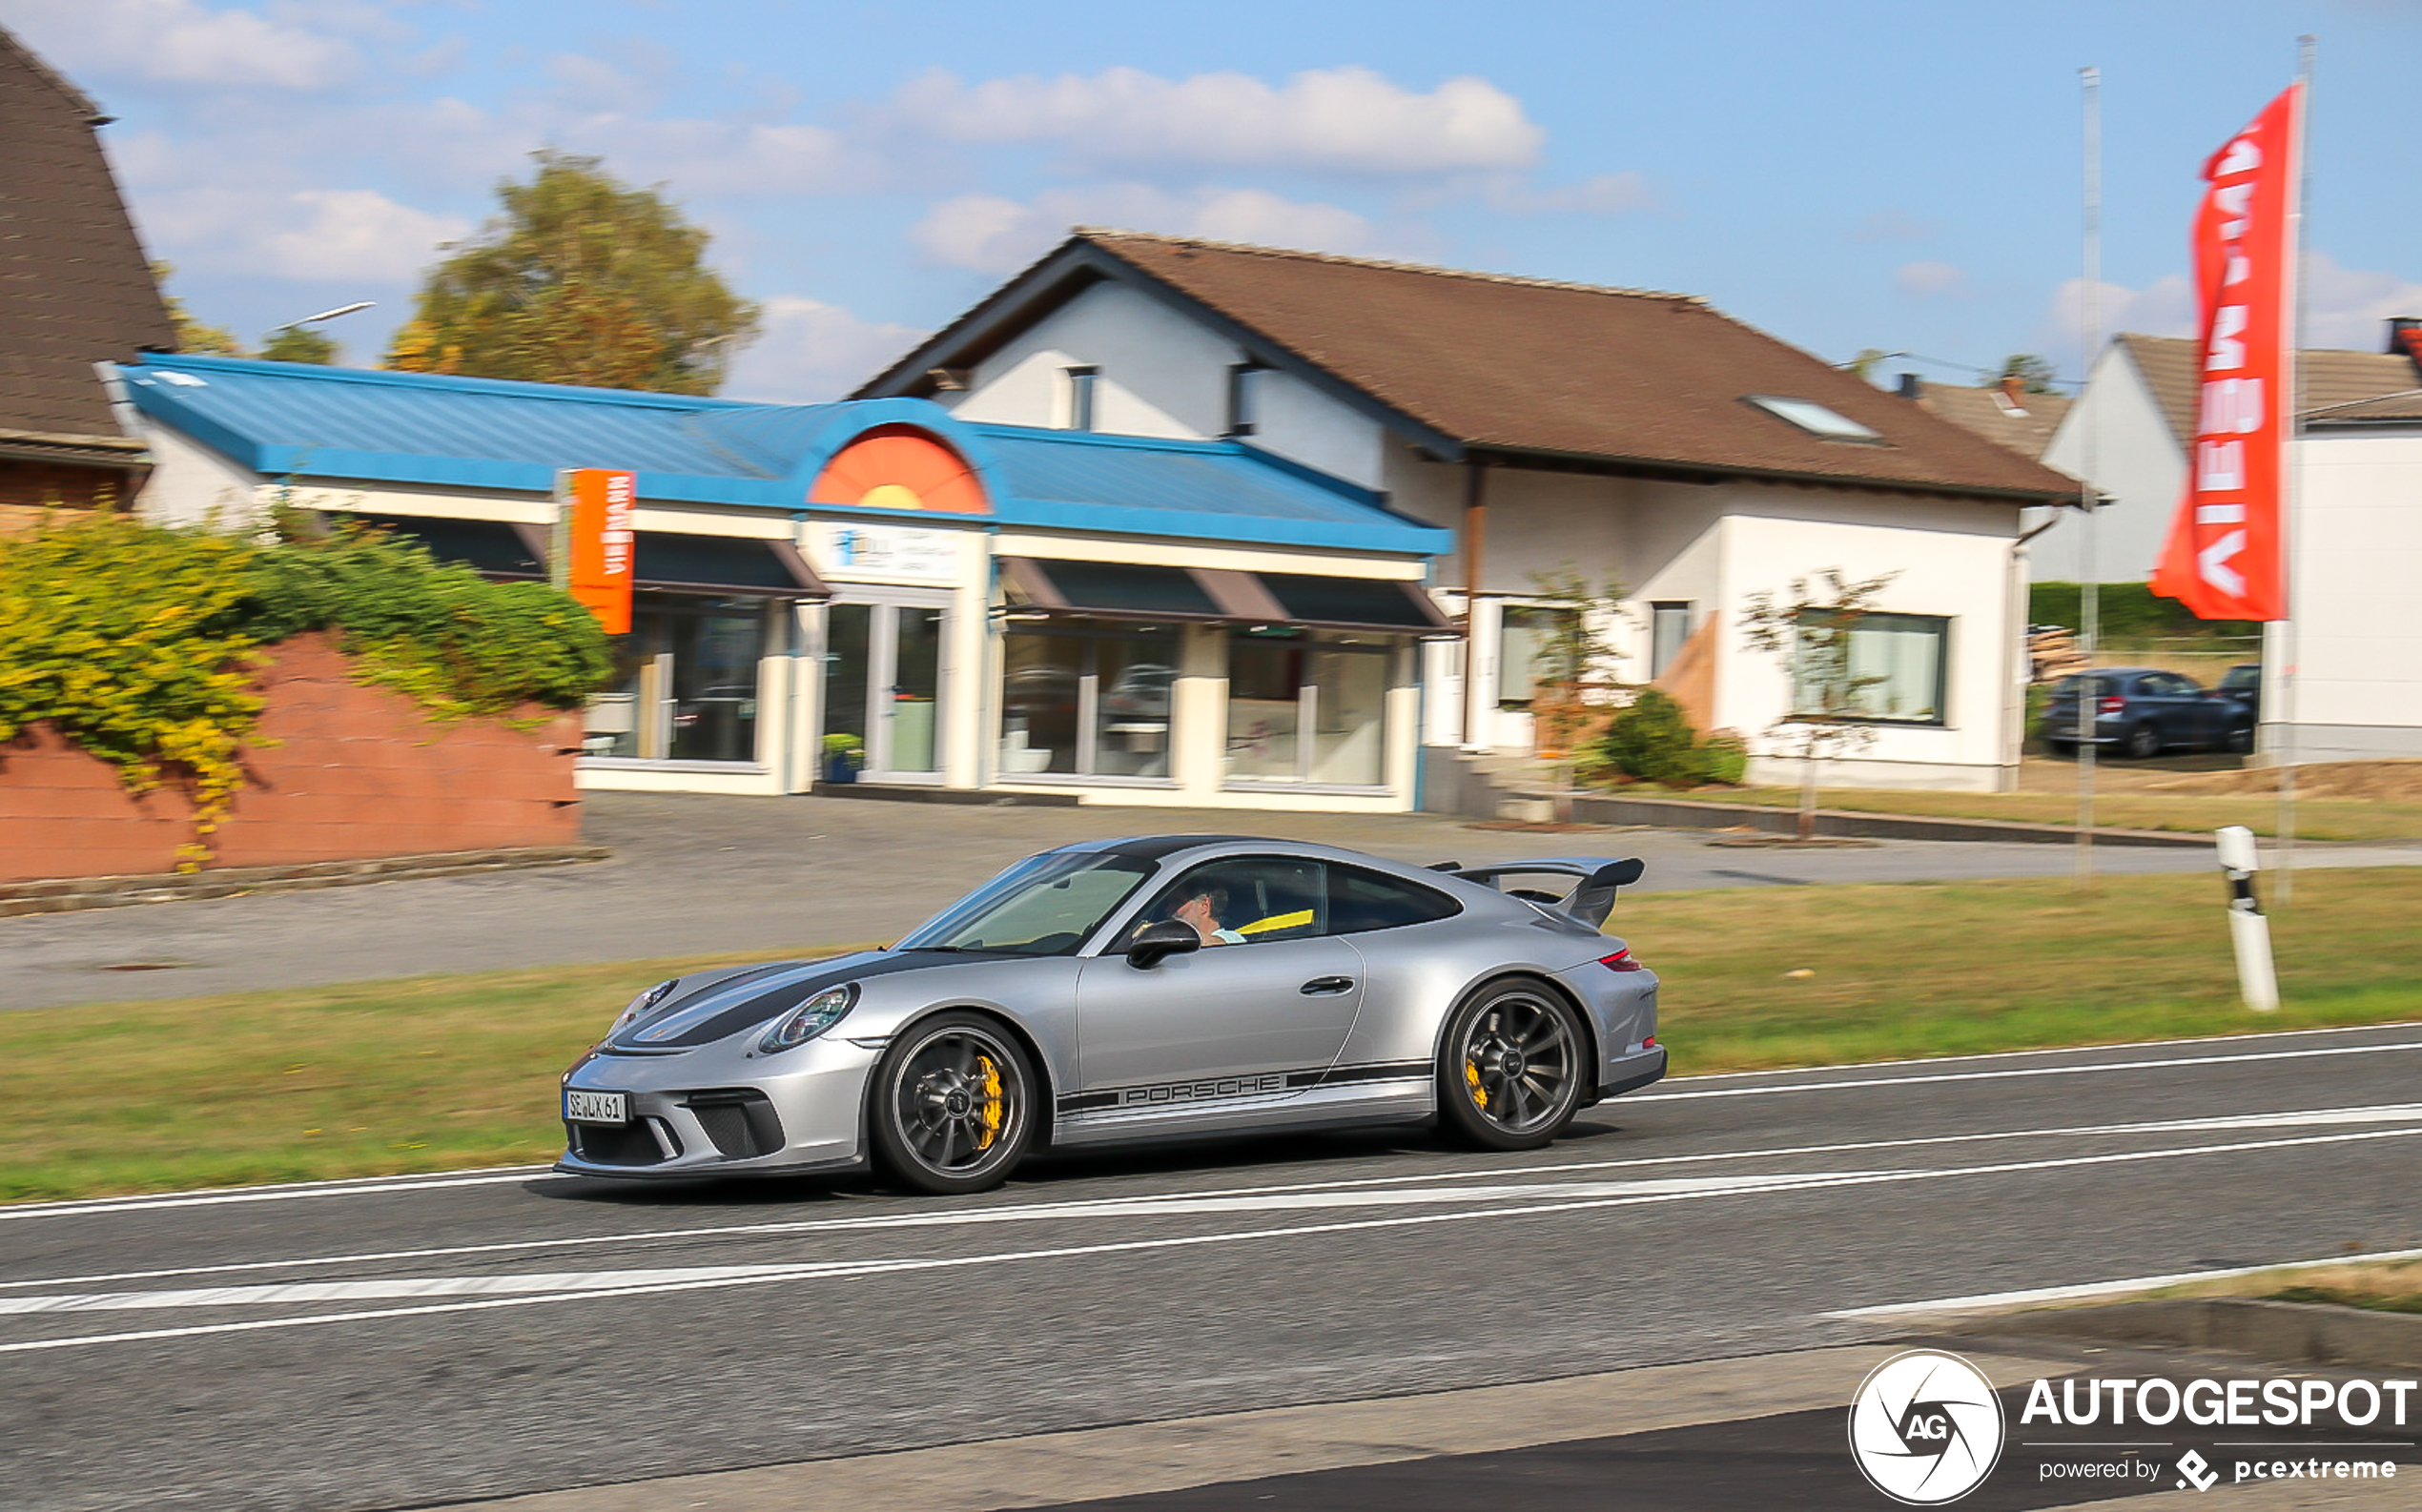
900 467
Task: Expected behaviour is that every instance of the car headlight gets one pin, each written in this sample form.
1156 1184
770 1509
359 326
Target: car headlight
808 1019
642 1004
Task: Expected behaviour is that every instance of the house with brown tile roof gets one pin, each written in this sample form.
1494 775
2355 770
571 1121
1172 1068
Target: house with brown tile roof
2002 413
2355 539
74 290
1623 434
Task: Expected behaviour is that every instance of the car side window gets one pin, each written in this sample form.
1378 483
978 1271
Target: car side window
1245 900
1360 901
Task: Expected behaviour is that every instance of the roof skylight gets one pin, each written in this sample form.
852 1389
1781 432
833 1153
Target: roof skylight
1814 417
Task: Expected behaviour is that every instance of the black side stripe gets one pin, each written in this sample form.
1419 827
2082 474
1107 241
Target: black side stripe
1141 1096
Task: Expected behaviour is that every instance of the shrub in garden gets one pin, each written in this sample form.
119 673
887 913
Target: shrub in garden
1652 742
138 642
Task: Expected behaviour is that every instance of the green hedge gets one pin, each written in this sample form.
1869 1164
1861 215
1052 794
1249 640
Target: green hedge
2128 611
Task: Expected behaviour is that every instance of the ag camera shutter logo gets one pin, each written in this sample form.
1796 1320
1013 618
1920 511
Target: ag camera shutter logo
1925 1428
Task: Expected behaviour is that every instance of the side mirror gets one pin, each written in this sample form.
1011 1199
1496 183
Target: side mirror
1155 942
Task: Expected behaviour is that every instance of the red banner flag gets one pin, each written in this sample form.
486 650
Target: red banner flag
2225 558
595 542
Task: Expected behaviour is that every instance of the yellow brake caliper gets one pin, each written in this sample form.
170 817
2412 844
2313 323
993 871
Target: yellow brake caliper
1479 1093
992 1085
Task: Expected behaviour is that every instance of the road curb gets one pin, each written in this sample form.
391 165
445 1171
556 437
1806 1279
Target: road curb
74 894
2287 1333
1682 814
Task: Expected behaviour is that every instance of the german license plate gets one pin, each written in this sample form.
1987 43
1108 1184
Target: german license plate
596 1107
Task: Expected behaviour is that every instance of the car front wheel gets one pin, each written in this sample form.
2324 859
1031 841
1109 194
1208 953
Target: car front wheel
954 1105
1512 1071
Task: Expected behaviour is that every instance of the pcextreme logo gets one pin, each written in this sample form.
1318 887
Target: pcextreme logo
1925 1427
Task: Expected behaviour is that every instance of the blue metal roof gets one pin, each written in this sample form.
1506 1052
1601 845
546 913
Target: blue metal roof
283 420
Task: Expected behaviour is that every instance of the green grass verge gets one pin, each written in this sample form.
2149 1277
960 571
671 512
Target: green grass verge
2316 818
444 1072
2387 1286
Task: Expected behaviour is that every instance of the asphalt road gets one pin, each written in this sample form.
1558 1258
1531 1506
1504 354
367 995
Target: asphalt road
410 1342
695 876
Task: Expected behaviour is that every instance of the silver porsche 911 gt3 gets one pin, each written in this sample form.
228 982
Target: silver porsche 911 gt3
1124 989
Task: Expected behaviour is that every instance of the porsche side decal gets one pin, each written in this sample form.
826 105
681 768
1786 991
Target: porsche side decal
1217 1089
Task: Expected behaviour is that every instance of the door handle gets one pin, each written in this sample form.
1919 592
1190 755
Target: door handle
1326 985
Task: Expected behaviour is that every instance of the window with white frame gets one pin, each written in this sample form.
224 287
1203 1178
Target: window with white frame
1893 671
1244 397
1082 699
1306 709
1669 629
1082 381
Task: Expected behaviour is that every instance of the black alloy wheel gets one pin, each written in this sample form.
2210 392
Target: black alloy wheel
2239 740
954 1105
2144 743
1510 1074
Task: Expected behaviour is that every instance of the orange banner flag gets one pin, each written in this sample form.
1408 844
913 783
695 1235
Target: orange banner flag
2225 558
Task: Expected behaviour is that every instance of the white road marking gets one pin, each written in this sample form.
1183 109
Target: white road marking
2141 1283
1156 1204
375 1186
293 1292
2165 1063
835 1269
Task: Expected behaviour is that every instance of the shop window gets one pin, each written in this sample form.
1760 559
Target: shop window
1895 671
1303 710
1669 629
686 682
1088 701
1082 381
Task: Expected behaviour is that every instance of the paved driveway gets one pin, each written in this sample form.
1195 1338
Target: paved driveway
695 875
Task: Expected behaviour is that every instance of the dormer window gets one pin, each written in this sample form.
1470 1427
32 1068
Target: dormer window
1814 417
1244 397
1081 383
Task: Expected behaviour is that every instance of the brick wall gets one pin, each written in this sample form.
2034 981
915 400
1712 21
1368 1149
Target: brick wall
359 772
26 487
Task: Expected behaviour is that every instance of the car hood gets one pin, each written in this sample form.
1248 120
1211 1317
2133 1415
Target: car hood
729 1004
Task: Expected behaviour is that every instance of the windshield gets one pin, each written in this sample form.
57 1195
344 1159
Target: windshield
1045 905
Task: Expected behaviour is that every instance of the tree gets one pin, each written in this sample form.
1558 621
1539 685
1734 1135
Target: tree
295 343
1863 365
2034 375
581 279
192 335
1572 665
1811 630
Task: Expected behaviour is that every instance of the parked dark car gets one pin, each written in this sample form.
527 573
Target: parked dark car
2141 711
2243 684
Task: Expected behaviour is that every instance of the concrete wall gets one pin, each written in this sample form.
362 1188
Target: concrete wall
338 771
2116 434
2358 689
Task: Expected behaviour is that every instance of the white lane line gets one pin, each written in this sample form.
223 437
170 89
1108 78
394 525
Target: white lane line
2092 1289
1150 1204
375 1186
824 1270
2165 1063
2061 1049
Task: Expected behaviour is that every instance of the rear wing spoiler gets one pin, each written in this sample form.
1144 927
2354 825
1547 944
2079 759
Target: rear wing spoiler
1592 897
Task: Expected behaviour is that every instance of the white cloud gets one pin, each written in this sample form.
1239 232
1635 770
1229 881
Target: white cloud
2163 307
810 351
1925 279
993 235
2350 307
180 42
358 235
1345 119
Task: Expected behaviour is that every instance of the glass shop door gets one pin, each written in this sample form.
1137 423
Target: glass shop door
882 692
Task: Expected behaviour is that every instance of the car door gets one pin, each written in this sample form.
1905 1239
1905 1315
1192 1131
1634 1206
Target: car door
1273 993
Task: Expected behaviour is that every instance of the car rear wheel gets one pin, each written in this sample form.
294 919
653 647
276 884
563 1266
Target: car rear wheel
2239 740
952 1106
2144 743
1512 1072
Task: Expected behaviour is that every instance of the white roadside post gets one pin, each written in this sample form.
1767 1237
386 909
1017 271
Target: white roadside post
2248 927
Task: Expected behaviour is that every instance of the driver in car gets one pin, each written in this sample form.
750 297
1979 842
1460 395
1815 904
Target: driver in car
1201 910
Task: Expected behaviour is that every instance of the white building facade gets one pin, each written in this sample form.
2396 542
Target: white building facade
1688 488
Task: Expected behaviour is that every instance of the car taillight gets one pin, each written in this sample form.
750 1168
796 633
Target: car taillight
1621 961
2111 704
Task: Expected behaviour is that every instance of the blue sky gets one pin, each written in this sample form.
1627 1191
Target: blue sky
1903 176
